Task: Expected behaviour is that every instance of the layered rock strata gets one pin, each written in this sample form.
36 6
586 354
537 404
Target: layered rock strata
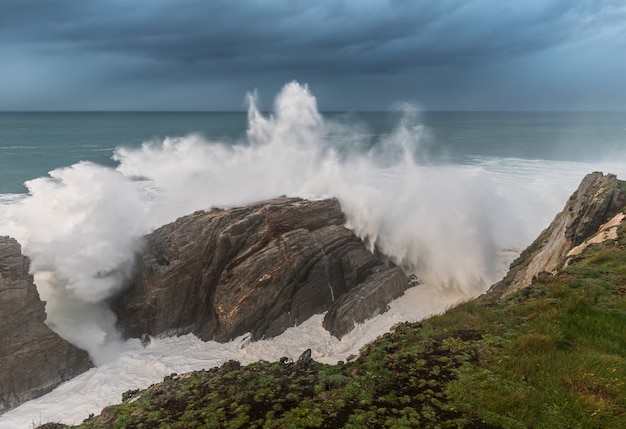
33 359
589 215
259 269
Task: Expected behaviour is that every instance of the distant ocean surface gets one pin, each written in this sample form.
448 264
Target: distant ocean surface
450 196
32 144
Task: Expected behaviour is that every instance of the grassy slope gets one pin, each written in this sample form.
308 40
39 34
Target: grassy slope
551 356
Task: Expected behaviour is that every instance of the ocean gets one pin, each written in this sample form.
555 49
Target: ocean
450 196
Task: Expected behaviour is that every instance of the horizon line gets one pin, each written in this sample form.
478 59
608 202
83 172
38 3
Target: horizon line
333 111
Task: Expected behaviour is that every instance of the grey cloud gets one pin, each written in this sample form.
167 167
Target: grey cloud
327 40
413 33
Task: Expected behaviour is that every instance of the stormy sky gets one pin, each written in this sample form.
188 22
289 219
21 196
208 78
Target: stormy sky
353 54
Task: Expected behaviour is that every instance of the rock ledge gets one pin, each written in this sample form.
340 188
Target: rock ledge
259 269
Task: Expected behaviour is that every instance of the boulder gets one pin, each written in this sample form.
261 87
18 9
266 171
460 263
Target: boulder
258 269
591 211
33 358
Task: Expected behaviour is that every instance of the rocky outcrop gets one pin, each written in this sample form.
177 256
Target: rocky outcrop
33 359
369 299
589 215
257 269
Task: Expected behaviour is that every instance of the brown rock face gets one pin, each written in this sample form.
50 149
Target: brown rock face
33 359
258 269
597 200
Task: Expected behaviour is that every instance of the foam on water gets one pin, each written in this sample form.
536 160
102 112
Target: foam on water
136 366
456 226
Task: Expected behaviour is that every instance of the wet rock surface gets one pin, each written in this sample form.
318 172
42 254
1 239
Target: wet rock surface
33 359
258 269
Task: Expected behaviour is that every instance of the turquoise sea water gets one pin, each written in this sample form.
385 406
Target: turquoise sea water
32 144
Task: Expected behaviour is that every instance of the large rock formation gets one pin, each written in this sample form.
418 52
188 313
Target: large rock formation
589 216
258 269
33 359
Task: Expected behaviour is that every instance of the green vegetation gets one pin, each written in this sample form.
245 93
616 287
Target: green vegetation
550 356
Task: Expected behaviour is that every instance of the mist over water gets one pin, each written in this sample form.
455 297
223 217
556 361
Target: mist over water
456 226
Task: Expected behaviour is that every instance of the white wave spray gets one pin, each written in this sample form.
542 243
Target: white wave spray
83 225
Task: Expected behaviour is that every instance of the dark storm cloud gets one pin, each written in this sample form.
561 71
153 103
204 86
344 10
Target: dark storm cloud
128 44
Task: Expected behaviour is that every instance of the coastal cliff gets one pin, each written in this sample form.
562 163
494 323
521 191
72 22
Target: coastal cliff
33 359
259 269
592 214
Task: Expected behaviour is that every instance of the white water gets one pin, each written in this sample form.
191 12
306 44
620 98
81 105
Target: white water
136 366
456 226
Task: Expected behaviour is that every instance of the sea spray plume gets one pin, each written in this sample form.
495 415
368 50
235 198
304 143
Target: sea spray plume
438 229
410 140
81 229
439 225
83 223
184 174
188 173
296 120
430 220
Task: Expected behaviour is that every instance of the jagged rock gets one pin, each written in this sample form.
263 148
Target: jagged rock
258 269
597 200
33 359
305 358
366 300
145 340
